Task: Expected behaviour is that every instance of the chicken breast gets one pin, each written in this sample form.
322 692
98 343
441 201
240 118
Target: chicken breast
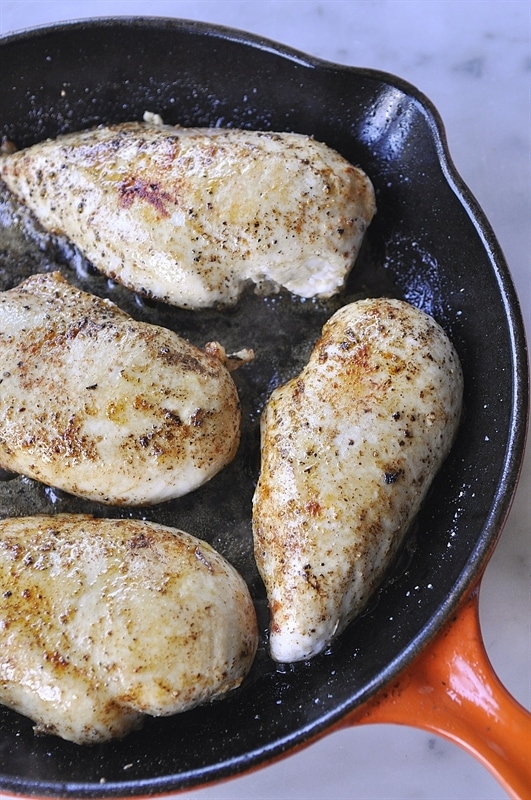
103 622
105 407
192 215
349 449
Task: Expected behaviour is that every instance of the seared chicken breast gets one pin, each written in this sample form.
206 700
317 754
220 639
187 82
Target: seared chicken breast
349 450
105 407
103 622
192 215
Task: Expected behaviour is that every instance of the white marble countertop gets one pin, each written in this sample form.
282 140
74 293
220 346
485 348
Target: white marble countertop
472 58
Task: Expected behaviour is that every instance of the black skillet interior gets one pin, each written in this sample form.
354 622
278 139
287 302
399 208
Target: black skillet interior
429 244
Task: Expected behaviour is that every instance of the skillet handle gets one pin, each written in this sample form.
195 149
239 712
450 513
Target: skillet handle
451 689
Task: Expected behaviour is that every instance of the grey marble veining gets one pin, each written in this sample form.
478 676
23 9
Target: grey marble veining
472 58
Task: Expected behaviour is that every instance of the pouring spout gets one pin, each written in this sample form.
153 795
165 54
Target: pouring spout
451 690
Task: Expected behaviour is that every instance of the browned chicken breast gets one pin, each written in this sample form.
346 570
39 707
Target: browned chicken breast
105 407
349 449
103 622
192 215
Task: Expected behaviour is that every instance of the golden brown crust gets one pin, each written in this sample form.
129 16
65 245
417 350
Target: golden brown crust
103 406
105 621
349 449
192 215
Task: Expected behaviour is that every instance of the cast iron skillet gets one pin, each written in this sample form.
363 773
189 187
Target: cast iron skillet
429 244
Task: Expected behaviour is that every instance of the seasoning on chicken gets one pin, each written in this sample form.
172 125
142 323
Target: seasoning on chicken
106 407
349 450
190 216
103 622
